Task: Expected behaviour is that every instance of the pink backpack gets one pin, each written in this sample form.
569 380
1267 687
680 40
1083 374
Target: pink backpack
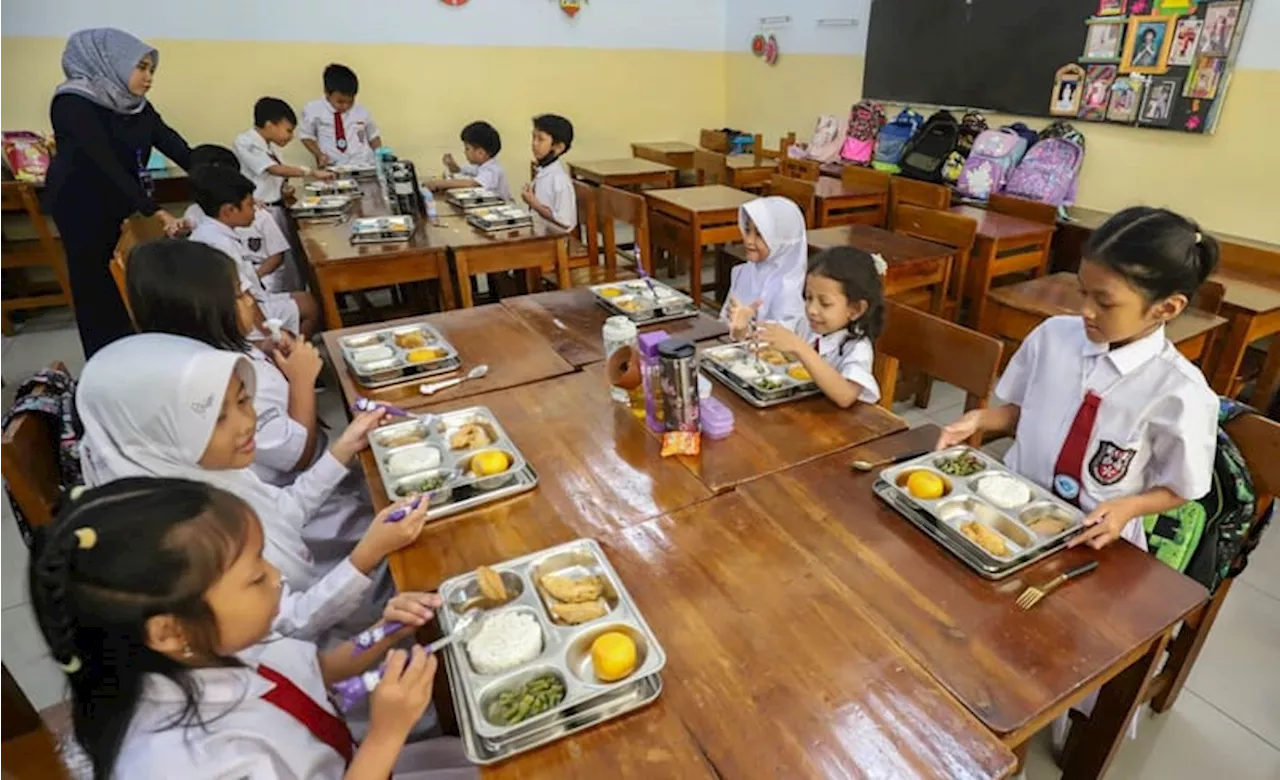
993 156
865 120
1048 172
824 145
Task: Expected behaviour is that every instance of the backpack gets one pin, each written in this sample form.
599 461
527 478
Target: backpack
994 155
893 140
1204 538
1048 172
927 152
1021 129
1064 130
824 144
972 125
953 167
56 403
865 120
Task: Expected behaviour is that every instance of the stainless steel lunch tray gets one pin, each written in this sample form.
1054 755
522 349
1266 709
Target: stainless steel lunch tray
941 518
565 649
345 187
718 359
474 197
396 367
385 229
320 206
491 219
665 305
369 171
460 487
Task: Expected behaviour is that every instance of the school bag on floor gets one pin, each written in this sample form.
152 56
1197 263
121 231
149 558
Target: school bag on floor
824 144
49 393
972 125
865 120
893 140
1050 169
994 155
927 152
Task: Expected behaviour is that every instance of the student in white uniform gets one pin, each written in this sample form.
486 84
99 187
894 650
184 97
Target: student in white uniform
550 195
226 198
155 599
1107 413
335 128
769 287
844 307
480 145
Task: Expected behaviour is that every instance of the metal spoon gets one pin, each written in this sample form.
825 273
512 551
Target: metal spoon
867 465
468 626
475 373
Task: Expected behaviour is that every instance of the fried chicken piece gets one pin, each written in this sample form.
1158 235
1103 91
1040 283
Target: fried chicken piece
985 538
491 585
571 590
573 614
469 436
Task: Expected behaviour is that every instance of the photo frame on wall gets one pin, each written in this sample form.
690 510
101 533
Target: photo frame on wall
1068 83
1102 43
1157 102
1204 78
1186 40
1126 94
1219 28
1112 7
1146 45
1096 94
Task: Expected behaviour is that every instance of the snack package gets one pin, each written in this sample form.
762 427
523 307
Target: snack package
681 443
26 154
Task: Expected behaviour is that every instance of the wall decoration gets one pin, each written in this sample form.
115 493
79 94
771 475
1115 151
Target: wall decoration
1186 38
1175 7
757 44
1219 28
771 51
1202 81
1139 7
454 3
571 7
1067 85
1125 96
1102 44
1146 46
1097 92
1111 7
1157 103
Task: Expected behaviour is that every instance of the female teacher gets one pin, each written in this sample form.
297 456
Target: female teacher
104 128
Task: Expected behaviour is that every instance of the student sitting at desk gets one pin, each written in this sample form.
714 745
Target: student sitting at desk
480 145
550 195
335 128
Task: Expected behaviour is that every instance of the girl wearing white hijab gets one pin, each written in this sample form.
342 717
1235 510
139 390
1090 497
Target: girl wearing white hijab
769 287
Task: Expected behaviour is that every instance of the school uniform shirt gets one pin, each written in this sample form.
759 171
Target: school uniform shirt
852 357
223 237
258 242
554 189
256 154
319 124
491 176
1156 425
308 614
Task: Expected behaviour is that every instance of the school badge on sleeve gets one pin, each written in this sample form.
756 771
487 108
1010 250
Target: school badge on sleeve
255 244
1110 462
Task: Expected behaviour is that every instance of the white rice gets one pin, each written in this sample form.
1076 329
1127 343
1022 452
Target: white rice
413 460
505 640
1005 492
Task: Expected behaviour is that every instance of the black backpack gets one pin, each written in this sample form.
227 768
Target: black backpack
927 152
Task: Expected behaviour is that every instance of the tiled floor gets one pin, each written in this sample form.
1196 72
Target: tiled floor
1225 725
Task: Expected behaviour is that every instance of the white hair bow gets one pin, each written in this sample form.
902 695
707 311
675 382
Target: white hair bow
881 266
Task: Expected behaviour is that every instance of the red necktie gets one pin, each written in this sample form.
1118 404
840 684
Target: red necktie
323 725
339 132
1069 470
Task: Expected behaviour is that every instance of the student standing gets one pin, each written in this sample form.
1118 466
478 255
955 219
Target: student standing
104 128
335 128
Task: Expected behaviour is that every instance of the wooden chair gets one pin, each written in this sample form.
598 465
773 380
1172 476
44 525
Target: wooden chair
710 167
807 170
922 342
1026 209
917 193
1209 300
621 206
714 140
584 244
29 455
763 154
866 177
135 230
798 191
940 227
30 750
19 257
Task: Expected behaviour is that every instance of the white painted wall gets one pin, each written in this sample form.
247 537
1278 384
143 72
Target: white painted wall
802 35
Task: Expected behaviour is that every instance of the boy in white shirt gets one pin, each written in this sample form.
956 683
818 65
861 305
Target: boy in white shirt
480 145
258 151
550 194
336 129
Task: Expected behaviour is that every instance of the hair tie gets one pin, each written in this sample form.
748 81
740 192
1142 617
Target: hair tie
87 537
72 666
881 266
1199 238
77 491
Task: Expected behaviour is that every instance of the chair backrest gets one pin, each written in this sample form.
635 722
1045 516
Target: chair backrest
1258 439
28 448
29 748
916 193
808 170
1209 297
1044 213
714 140
711 167
799 192
587 233
780 153
953 353
135 230
866 177
940 227
633 209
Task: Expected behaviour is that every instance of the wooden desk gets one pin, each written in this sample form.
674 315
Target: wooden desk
677 154
172 186
1013 311
683 221
1015 670
913 264
848 204
484 334
533 249
634 172
1005 245
1252 304
571 321
747 172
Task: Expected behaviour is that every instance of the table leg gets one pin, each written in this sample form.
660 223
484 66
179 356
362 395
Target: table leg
464 279
1232 351
1269 379
980 273
562 264
695 267
1045 256
447 301
329 300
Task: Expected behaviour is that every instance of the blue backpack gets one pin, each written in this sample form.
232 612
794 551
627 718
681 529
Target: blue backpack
1025 132
893 139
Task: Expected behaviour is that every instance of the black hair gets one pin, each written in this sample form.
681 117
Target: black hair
115 557
484 136
215 186
272 109
556 126
185 288
340 79
212 154
858 276
1157 251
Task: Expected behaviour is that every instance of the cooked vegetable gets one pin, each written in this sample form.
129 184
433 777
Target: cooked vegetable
533 698
963 465
425 485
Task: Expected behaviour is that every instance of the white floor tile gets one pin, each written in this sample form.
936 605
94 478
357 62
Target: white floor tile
39 343
21 640
948 415
41 680
915 418
944 396
1263 571
13 560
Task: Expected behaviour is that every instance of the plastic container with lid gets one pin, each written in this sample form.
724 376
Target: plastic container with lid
716 418
619 333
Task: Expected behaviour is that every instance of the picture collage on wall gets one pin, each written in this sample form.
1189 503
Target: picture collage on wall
1152 63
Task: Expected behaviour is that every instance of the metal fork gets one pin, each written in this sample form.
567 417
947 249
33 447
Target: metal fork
1033 594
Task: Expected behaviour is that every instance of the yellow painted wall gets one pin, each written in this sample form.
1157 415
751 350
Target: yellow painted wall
1229 181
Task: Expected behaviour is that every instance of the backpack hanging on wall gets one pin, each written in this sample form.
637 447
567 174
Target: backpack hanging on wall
824 145
994 155
972 124
865 120
893 140
927 153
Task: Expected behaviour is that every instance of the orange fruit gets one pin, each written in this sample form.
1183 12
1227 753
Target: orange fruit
799 373
490 462
926 485
613 655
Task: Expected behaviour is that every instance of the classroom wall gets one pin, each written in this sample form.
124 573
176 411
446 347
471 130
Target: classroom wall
1227 181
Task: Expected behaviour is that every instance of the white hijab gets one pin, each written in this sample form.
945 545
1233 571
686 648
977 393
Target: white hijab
149 404
777 281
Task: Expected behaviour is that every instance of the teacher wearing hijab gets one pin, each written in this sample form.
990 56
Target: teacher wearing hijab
105 129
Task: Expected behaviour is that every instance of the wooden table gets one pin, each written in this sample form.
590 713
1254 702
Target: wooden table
913 264
533 249
1005 245
635 172
677 154
683 221
1013 311
484 334
839 203
1252 304
1016 671
746 171
571 321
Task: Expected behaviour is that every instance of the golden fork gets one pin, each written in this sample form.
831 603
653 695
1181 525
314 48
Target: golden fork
1033 594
